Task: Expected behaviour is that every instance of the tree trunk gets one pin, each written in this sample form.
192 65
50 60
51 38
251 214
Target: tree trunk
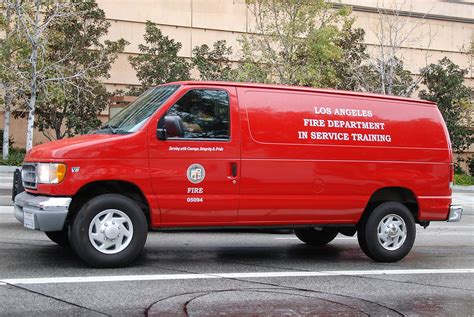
8 97
6 124
32 101
31 117
34 74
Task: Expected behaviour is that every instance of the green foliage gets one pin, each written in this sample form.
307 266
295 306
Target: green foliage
80 60
296 42
15 158
470 165
389 78
350 69
463 179
251 69
13 52
319 54
12 48
445 86
158 62
215 63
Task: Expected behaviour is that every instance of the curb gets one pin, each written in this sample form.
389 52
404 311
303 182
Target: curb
8 169
463 189
6 201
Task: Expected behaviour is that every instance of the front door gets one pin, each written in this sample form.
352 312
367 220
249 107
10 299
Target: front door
195 169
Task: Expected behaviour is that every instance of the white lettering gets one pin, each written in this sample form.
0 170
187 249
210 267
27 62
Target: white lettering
325 110
196 149
302 135
330 136
353 112
355 125
371 137
195 190
314 123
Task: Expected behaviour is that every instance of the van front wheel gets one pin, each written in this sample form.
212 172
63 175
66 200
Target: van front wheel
388 233
109 231
316 236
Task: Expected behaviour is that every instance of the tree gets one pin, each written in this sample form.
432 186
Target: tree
72 107
351 70
44 68
33 28
213 64
12 51
389 78
158 62
251 68
387 74
5 78
358 71
445 86
295 40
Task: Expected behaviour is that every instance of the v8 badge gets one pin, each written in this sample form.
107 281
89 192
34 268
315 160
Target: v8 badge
196 173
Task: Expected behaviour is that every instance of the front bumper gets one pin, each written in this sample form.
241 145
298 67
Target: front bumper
455 213
47 213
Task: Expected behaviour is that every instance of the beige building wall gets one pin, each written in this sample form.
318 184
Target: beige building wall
441 28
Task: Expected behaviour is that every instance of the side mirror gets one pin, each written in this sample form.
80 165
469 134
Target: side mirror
169 127
161 134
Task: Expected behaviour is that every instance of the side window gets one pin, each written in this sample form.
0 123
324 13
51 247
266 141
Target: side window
203 113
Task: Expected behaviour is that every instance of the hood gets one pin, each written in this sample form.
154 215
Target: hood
91 146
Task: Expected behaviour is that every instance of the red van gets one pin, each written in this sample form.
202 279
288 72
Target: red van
217 154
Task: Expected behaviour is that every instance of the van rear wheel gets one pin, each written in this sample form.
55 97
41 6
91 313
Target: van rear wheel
316 236
388 233
109 231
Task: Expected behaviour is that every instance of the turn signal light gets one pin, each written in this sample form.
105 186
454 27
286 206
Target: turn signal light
51 173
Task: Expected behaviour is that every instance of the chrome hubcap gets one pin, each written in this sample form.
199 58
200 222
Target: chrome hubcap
391 232
110 231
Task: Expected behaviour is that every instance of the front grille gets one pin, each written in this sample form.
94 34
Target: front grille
28 175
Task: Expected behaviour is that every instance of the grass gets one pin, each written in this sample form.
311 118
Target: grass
463 179
15 158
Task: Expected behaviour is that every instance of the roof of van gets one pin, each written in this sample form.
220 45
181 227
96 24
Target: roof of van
297 88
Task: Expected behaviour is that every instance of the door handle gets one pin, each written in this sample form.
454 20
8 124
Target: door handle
233 169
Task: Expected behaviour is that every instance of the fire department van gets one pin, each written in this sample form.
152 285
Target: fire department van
220 155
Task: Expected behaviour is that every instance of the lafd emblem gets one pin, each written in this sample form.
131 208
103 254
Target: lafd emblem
196 173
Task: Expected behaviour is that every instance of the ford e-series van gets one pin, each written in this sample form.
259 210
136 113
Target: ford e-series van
219 155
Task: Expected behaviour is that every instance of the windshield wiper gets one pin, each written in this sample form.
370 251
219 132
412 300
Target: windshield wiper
110 127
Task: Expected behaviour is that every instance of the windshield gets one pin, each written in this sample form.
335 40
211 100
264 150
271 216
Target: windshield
133 117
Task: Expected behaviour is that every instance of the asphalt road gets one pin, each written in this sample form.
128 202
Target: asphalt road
239 274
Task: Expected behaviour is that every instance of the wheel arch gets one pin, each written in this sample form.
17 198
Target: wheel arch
97 188
402 195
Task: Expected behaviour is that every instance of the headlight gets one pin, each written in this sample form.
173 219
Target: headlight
51 173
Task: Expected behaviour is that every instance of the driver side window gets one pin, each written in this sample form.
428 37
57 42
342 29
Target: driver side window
203 114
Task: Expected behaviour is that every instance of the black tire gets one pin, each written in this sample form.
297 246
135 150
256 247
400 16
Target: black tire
59 237
87 248
397 247
362 242
316 236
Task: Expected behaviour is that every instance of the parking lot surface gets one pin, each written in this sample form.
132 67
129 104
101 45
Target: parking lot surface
238 274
